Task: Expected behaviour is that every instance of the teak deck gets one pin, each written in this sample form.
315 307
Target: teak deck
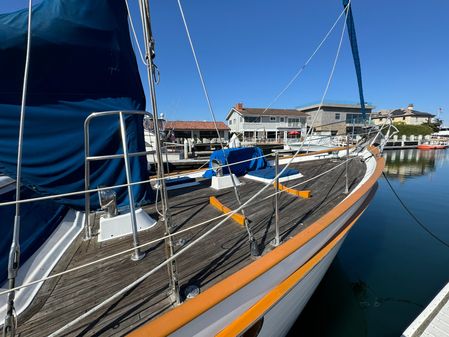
226 250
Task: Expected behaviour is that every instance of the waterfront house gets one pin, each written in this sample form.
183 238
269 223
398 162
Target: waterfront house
408 116
259 124
197 130
336 118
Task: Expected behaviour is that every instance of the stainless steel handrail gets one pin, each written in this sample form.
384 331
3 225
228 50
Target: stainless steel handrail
137 255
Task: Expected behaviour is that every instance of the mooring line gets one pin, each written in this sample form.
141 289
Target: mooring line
417 220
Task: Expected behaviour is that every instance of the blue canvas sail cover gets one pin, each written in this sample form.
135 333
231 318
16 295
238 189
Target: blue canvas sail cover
81 62
248 159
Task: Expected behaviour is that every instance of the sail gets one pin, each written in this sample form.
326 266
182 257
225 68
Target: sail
355 54
81 62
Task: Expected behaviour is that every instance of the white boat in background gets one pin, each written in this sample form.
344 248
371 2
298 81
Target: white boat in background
315 142
442 132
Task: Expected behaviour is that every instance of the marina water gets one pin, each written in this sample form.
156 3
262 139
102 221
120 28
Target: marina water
389 268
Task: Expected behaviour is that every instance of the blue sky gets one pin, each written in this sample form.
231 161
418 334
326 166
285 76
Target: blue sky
250 49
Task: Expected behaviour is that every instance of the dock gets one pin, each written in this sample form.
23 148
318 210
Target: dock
434 320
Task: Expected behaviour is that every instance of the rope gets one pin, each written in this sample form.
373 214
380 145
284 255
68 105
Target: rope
414 217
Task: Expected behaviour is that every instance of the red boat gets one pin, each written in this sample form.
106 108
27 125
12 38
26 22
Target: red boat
431 146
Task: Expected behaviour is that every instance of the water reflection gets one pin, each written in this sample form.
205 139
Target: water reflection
389 268
412 162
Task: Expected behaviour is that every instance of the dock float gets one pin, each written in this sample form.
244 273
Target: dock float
434 320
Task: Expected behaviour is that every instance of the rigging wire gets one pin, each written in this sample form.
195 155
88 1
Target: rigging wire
10 322
229 213
298 73
134 34
140 182
211 110
331 75
194 242
414 217
201 237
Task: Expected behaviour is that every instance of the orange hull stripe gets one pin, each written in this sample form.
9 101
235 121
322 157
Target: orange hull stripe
259 309
186 312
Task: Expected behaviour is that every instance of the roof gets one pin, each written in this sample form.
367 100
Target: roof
403 112
267 112
195 125
335 105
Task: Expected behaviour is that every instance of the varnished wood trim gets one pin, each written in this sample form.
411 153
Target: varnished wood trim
186 312
302 194
237 217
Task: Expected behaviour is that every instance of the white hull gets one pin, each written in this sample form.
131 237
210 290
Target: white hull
279 320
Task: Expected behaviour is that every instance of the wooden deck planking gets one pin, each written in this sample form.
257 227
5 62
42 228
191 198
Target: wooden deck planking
213 259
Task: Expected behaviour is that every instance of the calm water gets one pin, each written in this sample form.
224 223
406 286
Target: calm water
389 268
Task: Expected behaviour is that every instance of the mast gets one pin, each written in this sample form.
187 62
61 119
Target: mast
355 54
151 70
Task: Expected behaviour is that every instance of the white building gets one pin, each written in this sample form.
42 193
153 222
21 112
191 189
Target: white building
256 124
336 118
407 116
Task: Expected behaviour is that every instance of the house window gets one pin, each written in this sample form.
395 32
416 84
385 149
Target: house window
293 122
272 119
337 116
403 118
251 119
230 122
281 119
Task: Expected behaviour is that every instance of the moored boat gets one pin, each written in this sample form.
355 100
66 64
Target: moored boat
431 146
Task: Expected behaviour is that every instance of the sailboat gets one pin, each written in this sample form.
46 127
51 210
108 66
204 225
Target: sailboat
99 247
